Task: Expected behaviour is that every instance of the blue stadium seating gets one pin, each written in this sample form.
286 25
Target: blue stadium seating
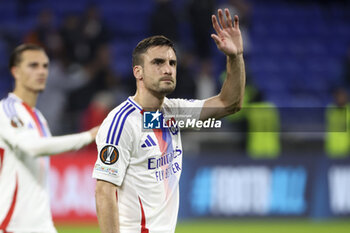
297 48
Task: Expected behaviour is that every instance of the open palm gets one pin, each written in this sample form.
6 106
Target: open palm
228 37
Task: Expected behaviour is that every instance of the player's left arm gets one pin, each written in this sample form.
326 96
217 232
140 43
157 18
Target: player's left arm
228 39
27 142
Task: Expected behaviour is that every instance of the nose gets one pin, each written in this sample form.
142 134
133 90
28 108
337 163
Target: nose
167 69
43 71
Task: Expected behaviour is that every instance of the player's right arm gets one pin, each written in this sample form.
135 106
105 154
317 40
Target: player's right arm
107 207
26 141
114 142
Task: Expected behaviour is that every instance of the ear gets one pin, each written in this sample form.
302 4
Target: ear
14 71
138 72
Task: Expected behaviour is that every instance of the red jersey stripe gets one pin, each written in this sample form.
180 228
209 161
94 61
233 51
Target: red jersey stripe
7 219
35 118
162 143
2 152
143 219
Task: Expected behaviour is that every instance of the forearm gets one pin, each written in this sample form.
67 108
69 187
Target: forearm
230 98
107 207
228 39
55 145
232 90
34 146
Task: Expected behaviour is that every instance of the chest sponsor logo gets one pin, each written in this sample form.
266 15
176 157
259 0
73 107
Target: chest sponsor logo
165 166
109 155
157 162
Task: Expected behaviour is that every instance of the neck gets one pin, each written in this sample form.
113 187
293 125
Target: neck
27 97
149 101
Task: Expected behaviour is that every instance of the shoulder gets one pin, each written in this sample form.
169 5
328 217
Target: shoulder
8 107
9 112
122 113
120 121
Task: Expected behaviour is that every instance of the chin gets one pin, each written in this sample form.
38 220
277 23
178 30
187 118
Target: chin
39 90
167 91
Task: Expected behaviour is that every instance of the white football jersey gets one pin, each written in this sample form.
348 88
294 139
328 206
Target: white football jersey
24 136
145 164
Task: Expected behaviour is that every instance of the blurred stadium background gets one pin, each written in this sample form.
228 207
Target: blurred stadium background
280 165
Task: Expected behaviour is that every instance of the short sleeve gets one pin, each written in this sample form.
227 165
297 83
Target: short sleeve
113 155
13 130
183 109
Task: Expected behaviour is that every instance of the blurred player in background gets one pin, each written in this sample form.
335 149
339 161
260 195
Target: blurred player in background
25 143
138 171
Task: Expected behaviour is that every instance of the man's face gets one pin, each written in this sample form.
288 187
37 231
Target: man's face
31 73
159 69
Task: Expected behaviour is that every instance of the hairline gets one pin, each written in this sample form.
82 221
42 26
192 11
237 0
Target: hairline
16 57
144 45
153 46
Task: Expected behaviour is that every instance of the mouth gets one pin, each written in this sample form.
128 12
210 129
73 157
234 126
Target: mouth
167 80
41 80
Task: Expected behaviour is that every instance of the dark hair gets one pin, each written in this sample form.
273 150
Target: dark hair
147 43
16 55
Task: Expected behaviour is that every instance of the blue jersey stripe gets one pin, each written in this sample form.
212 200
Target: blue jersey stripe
151 140
43 129
131 101
12 107
116 125
122 125
111 126
9 107
5 106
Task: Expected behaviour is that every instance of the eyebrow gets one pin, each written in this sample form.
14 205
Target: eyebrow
158 60
162 60
46 64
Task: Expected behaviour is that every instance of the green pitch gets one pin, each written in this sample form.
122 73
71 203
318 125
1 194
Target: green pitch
244 226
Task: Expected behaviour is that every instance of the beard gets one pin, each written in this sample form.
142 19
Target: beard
163 87
166 90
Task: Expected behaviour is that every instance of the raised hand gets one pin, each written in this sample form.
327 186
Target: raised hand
228 37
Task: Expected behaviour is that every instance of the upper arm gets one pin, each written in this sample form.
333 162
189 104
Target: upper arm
105 188
113 155
214 107
186 108
107 206
16 136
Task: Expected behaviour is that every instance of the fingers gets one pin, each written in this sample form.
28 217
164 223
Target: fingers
216 39
216 25
228 17
236 23
93 132
224 23
222 19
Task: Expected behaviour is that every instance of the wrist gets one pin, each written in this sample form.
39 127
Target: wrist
235 56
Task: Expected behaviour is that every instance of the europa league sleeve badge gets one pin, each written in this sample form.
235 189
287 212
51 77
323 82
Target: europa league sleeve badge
109 155
16 122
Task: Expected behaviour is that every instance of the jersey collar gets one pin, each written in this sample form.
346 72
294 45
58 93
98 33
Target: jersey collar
133 102
14 97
